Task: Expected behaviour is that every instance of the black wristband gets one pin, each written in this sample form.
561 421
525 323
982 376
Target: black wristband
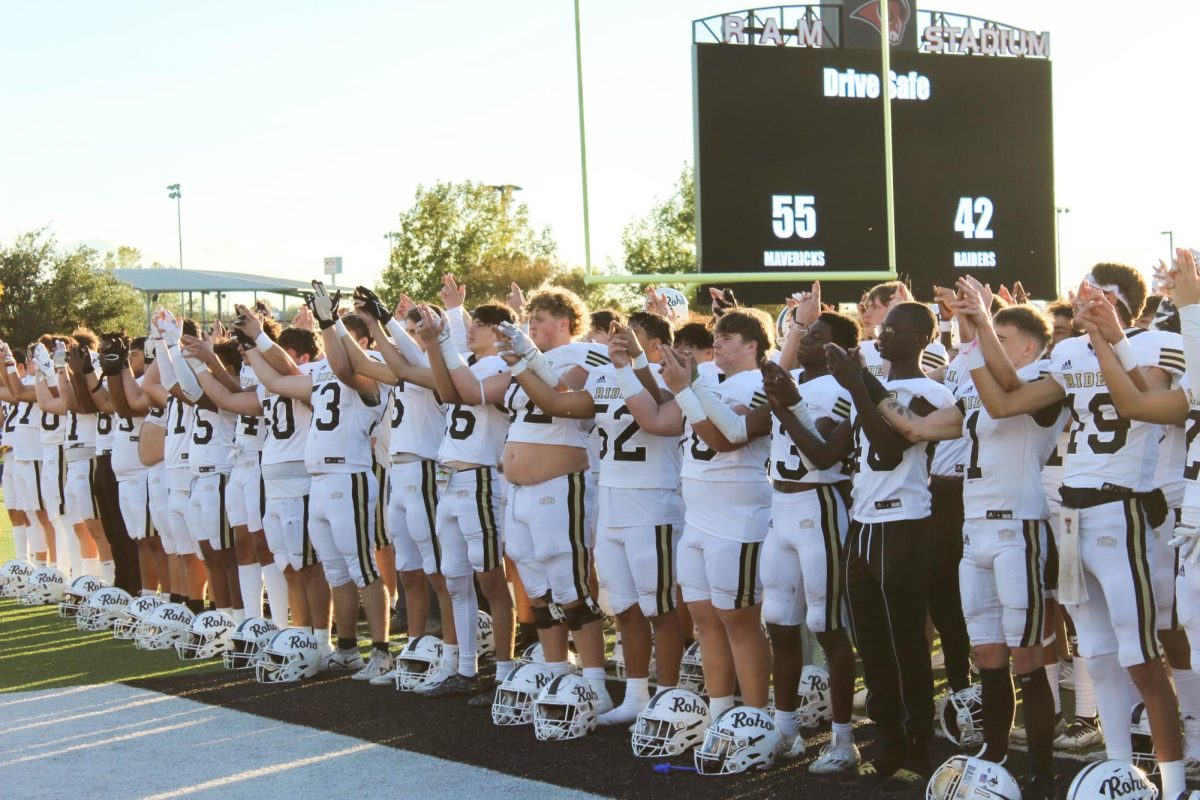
326 324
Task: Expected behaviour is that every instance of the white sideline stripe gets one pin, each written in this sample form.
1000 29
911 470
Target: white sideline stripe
122 742
261 772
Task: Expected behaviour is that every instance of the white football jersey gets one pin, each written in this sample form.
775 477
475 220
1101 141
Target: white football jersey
950 456
211 448
1107 451
157 416
339 438
1172 447
629 457
418 421
749 463
529 424
104 433
888 489
287 424
127 432
476 434
26 440
52 431
80 430
824 398
179 433
9 411
251 430
1002 475
933 358
1191 466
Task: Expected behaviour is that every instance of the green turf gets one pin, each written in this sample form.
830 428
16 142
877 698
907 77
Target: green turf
6 542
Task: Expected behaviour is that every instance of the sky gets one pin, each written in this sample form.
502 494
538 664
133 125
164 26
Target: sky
300 130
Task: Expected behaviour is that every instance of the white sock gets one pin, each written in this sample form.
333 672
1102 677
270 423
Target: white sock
239 616
503 670
75 552
718 706
322 637
1174 781
558 668
450 656
1187 687
90 566
843 733
1085 690
37 538
660 689
277 593
1114 703
250 578
1052 674
465 604
20 543
108 571
62 544
637 693
785 722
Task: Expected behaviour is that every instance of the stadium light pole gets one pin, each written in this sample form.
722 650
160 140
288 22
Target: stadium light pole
885 48
175 195
587 227
391 236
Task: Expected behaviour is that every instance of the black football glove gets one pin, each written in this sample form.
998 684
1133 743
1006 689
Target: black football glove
373 305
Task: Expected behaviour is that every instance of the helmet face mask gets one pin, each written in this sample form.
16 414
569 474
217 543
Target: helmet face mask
13 576
45 586
961 716
76 595
672 723
691 673
813 705
419 658
513 704
207 636
742 738
288 656
163 627
103 609
138 609
246 641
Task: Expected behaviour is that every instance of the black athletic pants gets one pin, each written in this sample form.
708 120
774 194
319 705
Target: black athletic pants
945 602
124 549
887 580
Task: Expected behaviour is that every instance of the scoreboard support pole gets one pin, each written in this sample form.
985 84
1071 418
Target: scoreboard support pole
885 50
587 228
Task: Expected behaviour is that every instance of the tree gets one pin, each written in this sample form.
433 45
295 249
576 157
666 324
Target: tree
664 240
472 231
124 257
52 290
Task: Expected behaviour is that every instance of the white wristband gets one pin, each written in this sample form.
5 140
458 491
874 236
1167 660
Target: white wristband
262 341
944 325
800 412
519 367
641 362
450 354
689 404
628 382
974 358
340 328
1125 355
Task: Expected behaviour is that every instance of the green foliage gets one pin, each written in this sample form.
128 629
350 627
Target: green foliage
664 240
475 232
52 290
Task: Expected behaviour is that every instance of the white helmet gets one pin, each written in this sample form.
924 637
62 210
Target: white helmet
102 609
691 670
677 304
138 609
741 738
246 641
1142 740
44 587
1112 779
566 709
419 658
534 654
75 595
289 655
13 576
967 778
672 723
961 715
813 705
485 637
163 627
207 636
515 696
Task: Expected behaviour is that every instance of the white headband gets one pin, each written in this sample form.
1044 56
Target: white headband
1112 288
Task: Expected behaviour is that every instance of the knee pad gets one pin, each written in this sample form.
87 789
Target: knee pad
544 618
585 613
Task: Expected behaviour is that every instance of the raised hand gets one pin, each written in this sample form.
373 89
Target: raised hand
779 387
114 355
199 349
901 295
656 303
1102 318
515 299
676 370
517 340
246 327
1006 295
844 366
218 330
432 328
944 297
60 355
304 318
722 300
629 341
369 303
504 348
1019 293
451 294
79 360
1186 290
42 360
1163 280
808 305
618 350
323 305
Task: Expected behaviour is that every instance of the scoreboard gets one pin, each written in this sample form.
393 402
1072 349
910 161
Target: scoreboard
790 166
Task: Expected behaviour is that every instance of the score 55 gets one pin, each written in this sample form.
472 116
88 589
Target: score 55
793 215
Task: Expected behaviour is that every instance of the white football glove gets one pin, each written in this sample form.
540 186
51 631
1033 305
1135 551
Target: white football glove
170 328
519 343
60 355
1188 541
324 306
41 360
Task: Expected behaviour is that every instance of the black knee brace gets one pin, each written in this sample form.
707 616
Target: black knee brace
583 614
543 617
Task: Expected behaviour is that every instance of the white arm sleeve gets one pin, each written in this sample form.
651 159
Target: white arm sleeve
166 368
411 351
458 323
728 422
187 381
1189 326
